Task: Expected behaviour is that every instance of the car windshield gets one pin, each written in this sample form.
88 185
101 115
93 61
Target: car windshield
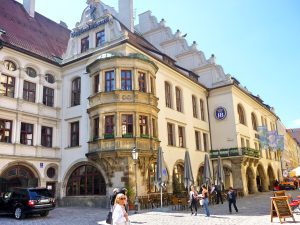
39 193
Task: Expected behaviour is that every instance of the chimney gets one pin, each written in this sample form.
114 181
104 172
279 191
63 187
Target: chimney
126 13
29 5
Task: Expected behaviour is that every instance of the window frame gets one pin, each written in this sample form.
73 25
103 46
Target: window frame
76 92
6 86
29 91
143 125
181 137
126 80
48 96
168 95
26 130
178 99
170 130
202 109
4 130
110 84
109 124
46 138
142 82
100 40
84 44
127 125
194 106
74 134
198 140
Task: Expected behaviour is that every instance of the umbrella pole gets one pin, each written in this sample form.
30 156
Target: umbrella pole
161 201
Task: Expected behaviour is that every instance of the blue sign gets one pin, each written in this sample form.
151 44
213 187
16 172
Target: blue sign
88 27
220 113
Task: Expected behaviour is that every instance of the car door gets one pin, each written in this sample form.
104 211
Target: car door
5 202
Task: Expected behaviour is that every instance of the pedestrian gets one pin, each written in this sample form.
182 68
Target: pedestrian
124 191
218 194
193 200
231 196
119 215
113 196
205 195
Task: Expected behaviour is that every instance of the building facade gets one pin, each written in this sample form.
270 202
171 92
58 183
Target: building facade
74 103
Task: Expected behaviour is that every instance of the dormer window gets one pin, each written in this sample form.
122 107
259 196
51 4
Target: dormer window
100 38
84 44
9 65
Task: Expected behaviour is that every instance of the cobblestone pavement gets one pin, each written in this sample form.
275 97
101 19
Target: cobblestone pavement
253 210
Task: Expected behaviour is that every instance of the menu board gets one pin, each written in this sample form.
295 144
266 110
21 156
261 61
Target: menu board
280 208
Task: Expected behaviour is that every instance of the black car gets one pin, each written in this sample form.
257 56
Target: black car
24 201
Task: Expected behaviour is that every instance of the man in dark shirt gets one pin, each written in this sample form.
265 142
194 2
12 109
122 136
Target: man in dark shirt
231 196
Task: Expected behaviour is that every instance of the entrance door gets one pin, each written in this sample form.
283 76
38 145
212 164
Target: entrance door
51 186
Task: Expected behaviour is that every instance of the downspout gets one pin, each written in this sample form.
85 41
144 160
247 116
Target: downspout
208 119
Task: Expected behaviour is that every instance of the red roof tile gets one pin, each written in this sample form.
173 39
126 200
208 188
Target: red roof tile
38 35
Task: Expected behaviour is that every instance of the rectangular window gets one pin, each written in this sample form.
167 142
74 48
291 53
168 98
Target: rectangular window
152 85
170 134
205 142
48 96
96 128
181 137
143 122
168 95
243 142
247 143
7 86
85 44
109 81
76 90
100 38
96 84
126 80
26 137
178 99
202 115
29 90
5 130
127 125
194 104
154 128
74 134
198 140
46 136
142 82
109 125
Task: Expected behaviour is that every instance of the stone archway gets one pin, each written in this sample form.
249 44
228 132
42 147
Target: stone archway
228 177
261 179
18 176
250 180
271 176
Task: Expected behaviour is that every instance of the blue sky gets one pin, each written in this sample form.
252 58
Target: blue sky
257 42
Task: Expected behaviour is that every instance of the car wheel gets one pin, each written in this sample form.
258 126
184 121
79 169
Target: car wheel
19 214
44 214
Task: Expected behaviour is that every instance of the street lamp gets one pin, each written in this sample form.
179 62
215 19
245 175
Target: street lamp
135 156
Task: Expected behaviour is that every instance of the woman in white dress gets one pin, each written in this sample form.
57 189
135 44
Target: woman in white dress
119 215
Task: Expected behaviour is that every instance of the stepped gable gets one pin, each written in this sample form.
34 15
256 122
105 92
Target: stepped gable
38 35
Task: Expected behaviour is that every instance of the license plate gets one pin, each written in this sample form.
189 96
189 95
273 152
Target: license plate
44 201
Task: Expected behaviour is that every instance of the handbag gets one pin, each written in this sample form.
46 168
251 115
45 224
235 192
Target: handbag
109 218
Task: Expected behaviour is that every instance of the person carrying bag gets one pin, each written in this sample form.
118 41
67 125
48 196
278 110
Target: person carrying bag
119 214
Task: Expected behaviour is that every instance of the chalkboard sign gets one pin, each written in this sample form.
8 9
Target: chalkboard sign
280 208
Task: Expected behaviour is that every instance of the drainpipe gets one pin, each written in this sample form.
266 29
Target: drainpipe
208 119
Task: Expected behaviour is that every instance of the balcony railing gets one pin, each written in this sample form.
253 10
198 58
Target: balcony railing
231 152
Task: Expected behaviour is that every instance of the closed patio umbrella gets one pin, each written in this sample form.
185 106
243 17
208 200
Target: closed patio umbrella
206 171
220 173
161 175
188 174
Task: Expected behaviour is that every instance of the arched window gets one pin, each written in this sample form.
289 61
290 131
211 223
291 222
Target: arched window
178 99
168 95
86 180
10 65
254 121
75 96
202 111
241 113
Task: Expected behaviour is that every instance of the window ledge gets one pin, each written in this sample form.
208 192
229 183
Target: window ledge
69 148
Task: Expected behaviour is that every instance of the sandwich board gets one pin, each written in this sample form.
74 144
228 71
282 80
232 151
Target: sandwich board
280 208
